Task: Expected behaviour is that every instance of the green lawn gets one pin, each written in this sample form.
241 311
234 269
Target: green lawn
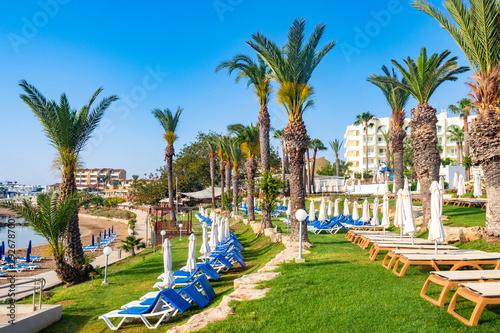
339 289
134 277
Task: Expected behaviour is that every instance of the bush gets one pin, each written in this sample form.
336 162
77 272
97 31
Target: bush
113 201
446 185
131 223
390 186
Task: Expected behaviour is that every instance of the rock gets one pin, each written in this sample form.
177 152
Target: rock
451 235
253 279
464 235
201 320
473 233
461 236
256 227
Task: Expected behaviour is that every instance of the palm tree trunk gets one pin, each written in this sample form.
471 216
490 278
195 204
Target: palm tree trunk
222 176
426 155
283 166
308 172
229 168
459 163
236 181
212 178
337 162
170 184
264 124
287 163
250 168
466 143
313 170
72 241
366 145
485 145
296 139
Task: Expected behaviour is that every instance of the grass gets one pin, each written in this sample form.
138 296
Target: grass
340 289
113 213
134 277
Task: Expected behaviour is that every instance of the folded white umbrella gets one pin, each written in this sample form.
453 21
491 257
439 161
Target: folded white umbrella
226 229
478 190
398 216
322 211
394 187
336 211
386 223
455 180
418 185
200 210
441 184
191 262
346 208
409 227
205 247
359 186
213 236
345 185
284 201
312 212
329 211
288 210
366 212
336 187
374 221
212 216
220 232
436 228
461 186
362 175
168 276
355 213
406 183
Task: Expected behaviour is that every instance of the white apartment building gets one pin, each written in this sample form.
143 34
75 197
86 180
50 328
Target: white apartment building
355 140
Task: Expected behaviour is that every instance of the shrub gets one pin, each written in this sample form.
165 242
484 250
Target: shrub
390 186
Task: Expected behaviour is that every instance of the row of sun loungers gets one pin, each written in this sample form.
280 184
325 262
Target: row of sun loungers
104 242
480 286
191 288
8 265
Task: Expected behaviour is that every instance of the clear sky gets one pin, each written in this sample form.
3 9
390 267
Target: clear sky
159 54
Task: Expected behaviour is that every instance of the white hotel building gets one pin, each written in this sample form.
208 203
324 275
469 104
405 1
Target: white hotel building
355 140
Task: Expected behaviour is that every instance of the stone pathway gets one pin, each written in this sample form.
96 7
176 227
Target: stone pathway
244 290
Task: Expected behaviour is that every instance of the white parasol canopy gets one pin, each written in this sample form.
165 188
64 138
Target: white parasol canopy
168 276
312 212
436 228
461 186
386 223
441 183
220 232
359 186
346 208
478 190
418 185
336 211
355 213
366 212
455 180
409 227
226 229
406 183
205 247
322 211
398 216
213 237
191 262
374 221
329 211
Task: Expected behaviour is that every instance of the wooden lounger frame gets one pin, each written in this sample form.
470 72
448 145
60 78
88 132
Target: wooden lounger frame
456 264
480 301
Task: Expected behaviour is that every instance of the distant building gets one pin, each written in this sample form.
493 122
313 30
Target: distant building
321 162
355 141
94 177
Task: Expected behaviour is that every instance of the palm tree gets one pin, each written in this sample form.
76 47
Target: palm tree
248 138
344 167
211 142
386 135
423 77
464 109
234 151
222 156
292 67
278 134
397 100
50 218
135 177
105 180
316 144
257 75
336 145
364 119
131 243
169 123
224 144
68 131
475 29
457 135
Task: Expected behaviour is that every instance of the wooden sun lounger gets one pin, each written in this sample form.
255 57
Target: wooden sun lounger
352 234
482 293
393 255
365 241
450 280
355 238
377 247
456 261
368 227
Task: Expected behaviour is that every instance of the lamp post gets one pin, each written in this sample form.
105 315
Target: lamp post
180 231
107 251
162 233
301 215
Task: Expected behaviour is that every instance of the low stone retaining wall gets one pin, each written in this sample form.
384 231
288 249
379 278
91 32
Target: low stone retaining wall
103 218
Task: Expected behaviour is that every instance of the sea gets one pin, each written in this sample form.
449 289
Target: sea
23 235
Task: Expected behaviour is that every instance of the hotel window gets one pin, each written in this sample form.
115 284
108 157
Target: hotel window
371 152
439 129
380 140
453 152
381 152
408 130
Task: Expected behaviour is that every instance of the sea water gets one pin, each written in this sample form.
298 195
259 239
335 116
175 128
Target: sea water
23 235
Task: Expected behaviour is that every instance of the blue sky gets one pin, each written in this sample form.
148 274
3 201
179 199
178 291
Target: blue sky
160 54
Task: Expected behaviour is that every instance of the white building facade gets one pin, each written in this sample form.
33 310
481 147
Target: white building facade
355 139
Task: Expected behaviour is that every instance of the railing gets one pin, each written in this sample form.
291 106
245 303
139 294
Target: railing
28 283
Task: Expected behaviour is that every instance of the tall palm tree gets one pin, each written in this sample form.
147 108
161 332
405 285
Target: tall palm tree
224 142
257 75
316 144
423 77
222 157
397 100
234 151
211 142
50 218
278 134
457 136
475 29
464 109
336 145
386 135
135 177
68 131
365 119
292 67
248 137
169 122
131 243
